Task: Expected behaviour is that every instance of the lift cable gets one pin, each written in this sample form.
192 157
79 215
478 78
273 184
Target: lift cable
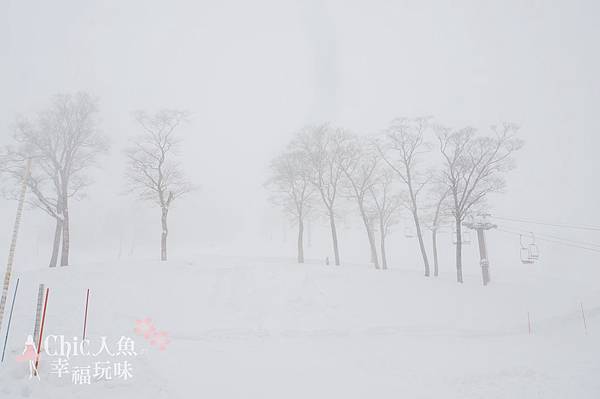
567 226
553 241
551 237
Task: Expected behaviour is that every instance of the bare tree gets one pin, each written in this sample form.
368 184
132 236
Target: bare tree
63 143
359 162
153 171
439 208
401 148
387 204
321 149
473 168
45 194
292 188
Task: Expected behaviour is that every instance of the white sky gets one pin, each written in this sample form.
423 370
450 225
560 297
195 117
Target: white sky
253 72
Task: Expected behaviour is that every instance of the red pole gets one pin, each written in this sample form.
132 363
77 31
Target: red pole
39 348
87 299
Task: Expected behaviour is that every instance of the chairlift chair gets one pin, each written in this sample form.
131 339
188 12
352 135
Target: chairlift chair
534 251
465 237
409 229
529 252
526 258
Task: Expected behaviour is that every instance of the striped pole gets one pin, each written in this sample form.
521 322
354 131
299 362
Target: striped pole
12 306
13 243
38 312
87 299
39 348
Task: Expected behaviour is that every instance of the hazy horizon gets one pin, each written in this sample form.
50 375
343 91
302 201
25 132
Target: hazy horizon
251 74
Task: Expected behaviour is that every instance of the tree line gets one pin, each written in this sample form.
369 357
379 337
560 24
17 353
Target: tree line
64 141
417 167
434 174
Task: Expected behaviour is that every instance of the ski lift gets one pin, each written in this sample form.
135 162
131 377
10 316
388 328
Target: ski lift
409 229
534 251
465 237
529 252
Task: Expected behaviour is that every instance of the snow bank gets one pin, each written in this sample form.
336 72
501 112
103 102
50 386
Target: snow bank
249 327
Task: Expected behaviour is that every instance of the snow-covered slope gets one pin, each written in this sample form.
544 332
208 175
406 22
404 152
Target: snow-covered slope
267 328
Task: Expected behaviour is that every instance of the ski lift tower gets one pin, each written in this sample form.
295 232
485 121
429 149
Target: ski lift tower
480 224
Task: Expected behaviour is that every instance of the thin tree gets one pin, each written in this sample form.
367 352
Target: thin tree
321 146
440 194
63 142
292 190
359 161
387 204
473 168
401 148
153 170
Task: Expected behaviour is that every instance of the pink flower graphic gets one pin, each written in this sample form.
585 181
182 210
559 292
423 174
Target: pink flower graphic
145 327
30 355
160 339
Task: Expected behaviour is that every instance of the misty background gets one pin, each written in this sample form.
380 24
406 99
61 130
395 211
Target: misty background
253 73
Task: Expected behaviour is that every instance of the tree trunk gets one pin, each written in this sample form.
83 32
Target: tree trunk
459 275
64 256
56 244
370 236
300 240
435 254
421 243
336 251
373 246
164 234
383 255
413 200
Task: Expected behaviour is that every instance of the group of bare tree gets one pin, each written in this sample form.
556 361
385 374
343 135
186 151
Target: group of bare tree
64 142
322 168
435 174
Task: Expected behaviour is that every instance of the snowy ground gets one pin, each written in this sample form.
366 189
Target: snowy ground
266 328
